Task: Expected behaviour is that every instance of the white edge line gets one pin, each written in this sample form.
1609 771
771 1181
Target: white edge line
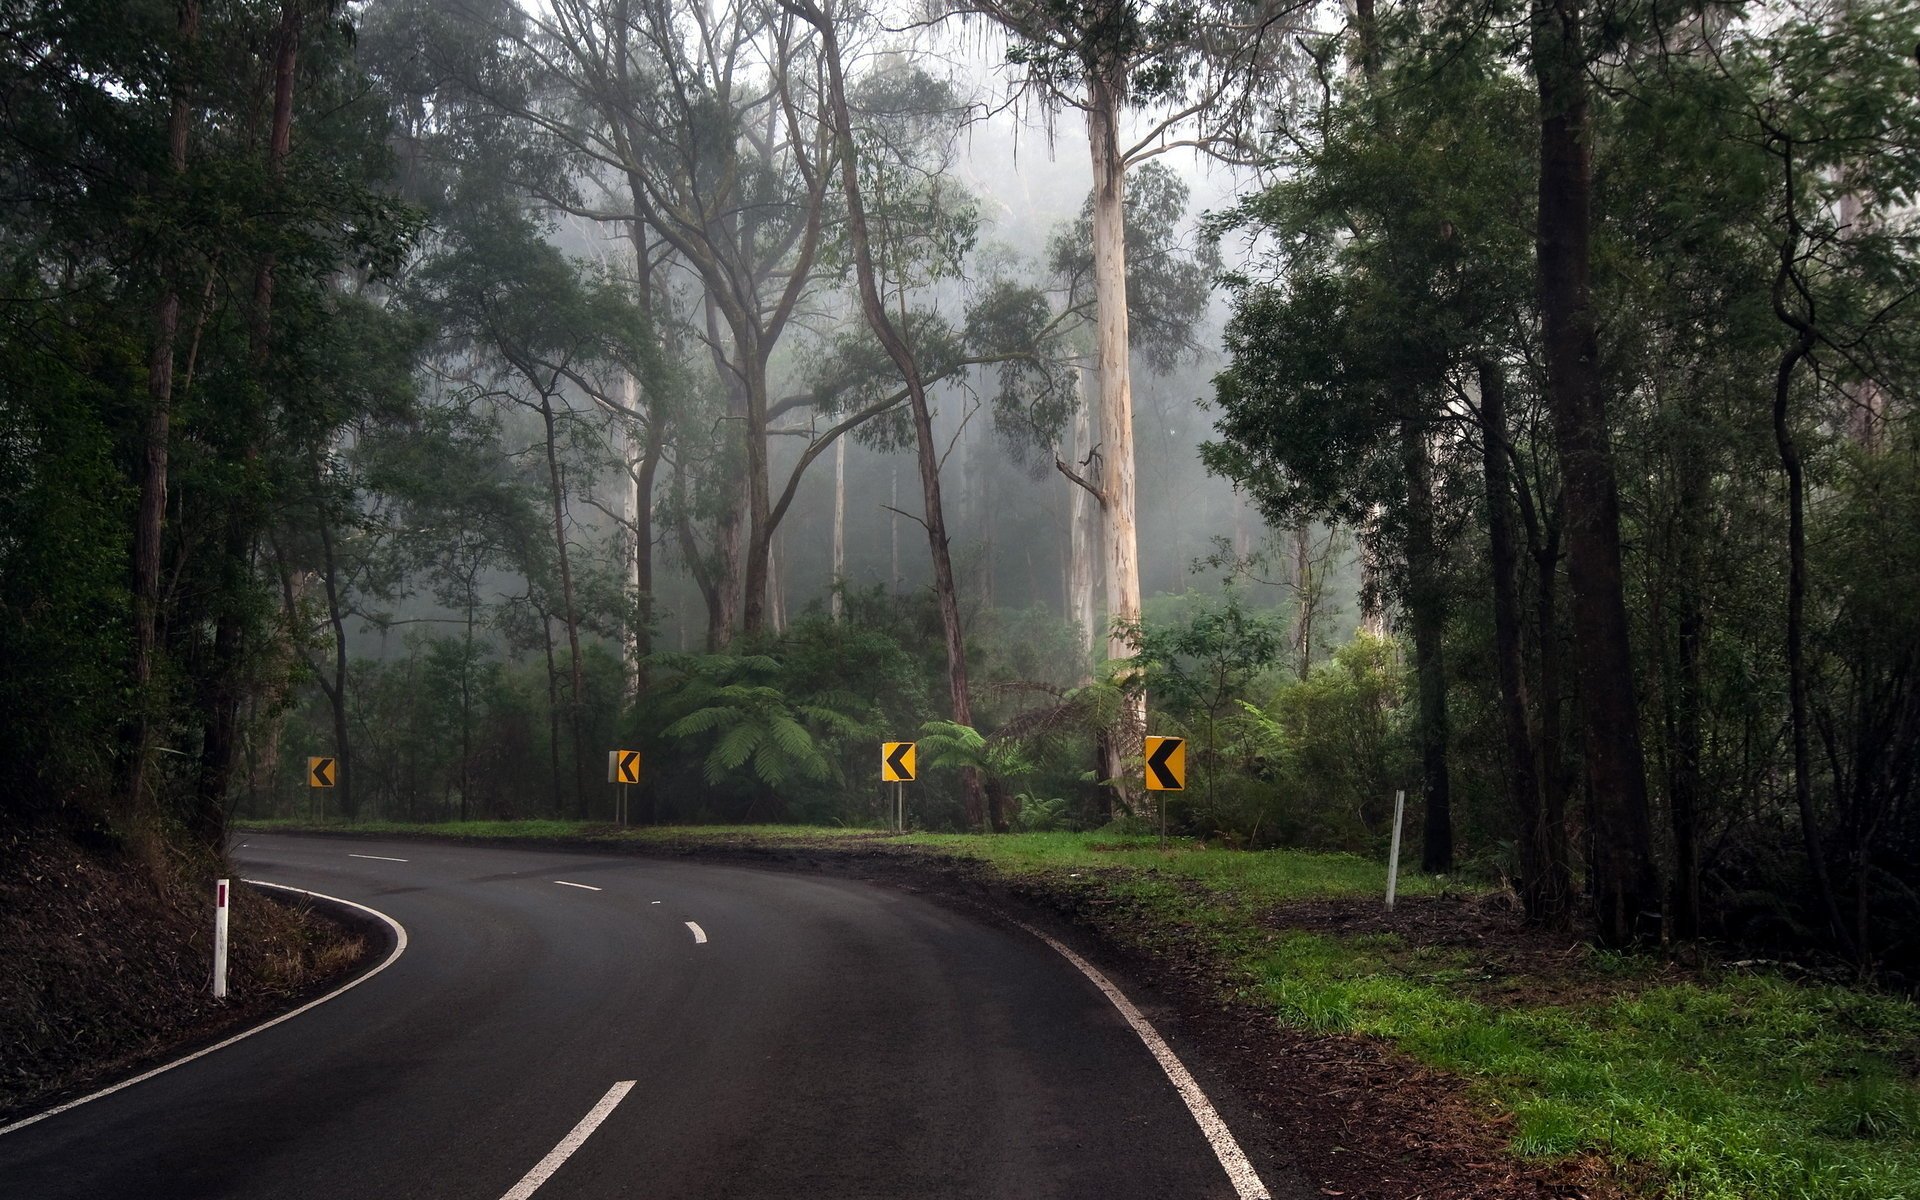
699 934
544 1169
399 947
379 858
1246 1182
585 887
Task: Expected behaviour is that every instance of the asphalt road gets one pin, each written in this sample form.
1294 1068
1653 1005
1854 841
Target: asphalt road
827 1039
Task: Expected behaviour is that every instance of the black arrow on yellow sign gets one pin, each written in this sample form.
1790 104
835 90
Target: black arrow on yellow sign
1166 764
320 772
896 762
627 766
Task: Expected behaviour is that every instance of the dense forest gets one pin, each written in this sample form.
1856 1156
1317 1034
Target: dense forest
1506 404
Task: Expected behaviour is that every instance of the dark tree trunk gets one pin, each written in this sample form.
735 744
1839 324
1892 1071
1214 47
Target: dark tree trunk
151 513
1804 341
1683 782
1626 890
221 689
337 694
1545 882
1427 614
569 614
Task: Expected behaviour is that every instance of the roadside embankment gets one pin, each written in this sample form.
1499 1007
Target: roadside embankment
107 954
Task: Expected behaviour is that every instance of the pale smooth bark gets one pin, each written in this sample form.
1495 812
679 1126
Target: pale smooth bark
1084 532
1117 491
839 600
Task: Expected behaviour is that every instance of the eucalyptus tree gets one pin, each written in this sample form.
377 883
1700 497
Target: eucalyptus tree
1197 72
905 229
1168 286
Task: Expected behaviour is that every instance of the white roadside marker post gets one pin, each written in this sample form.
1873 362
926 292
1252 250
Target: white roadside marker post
220 940
1393 856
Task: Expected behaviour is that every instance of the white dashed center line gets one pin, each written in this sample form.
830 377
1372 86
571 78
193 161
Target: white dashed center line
585 887
378 857
544 1169
699 934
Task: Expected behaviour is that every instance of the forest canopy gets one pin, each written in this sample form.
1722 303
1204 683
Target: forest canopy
1510 405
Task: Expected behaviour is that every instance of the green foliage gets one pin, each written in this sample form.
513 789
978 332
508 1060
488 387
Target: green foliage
945 745
750 723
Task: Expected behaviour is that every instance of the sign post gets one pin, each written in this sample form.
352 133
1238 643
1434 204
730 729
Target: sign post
897 763
321 774
1393 855
1166 759
623 768
220 940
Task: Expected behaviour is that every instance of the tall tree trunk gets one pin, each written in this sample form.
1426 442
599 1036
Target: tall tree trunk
1427 614
776 586
1802 346
337 694
655 447
643 535
1626 889
1083 532
1307 596
1556 781
157 441
553 717
1545 880
221 689
723 606
1683 783
570 615
973 797
1106 93
758 578
711 588
466 693
839 600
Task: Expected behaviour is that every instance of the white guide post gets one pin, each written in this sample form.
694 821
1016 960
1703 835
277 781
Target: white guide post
1393 856
220 891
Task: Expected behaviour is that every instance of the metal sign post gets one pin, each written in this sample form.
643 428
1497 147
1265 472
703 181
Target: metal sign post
623 768
898 763
1166 771
1393 855
220 940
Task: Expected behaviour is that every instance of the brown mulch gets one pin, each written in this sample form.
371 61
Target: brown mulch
108 962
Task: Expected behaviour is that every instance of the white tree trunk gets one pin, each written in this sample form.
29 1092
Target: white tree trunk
776 586
893 525
1084 531
839 526
1116 410
630 452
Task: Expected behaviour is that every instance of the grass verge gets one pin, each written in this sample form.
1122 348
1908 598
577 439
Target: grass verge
1704 1082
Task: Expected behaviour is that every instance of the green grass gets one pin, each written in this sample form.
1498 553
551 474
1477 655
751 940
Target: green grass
1733 1087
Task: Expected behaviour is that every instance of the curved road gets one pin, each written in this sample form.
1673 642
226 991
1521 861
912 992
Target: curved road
826 1039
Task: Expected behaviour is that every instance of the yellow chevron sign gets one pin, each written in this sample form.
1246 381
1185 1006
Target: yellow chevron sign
1166 764
897 762
321 772
623 766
